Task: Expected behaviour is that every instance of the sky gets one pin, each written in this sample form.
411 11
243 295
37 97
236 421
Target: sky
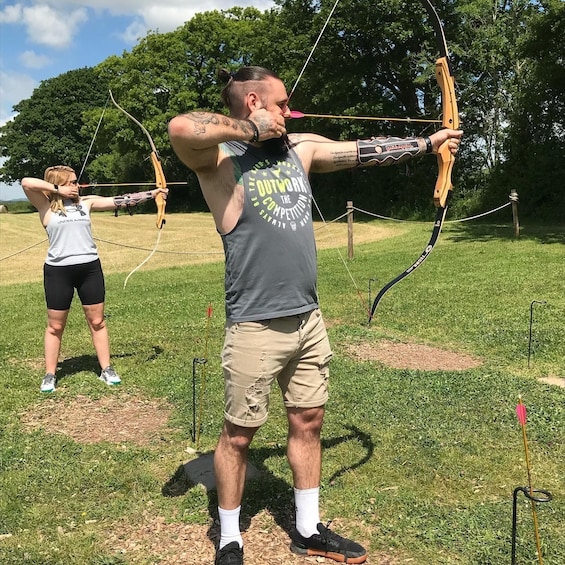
43 39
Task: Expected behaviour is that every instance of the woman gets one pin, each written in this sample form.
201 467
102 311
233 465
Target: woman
73 262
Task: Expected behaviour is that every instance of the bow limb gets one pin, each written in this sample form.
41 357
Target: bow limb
160 181
450 119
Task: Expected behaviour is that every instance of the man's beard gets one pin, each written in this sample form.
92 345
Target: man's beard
277 145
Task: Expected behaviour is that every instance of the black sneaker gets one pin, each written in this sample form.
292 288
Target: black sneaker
230 554
328 544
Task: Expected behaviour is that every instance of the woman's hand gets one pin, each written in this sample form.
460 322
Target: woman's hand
69 191
163 191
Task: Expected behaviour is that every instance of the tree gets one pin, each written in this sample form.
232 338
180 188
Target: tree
536 138
48 127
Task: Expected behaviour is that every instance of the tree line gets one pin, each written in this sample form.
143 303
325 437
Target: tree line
374 59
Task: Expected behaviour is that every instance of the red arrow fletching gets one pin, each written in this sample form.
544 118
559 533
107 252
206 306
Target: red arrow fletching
296 114
521 413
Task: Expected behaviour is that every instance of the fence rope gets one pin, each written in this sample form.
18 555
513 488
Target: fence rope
22 250
420 222
325 223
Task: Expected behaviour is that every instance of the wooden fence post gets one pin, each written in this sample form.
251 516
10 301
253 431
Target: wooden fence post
514 199
350 229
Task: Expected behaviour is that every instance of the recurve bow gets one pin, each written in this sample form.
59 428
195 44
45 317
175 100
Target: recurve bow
450 119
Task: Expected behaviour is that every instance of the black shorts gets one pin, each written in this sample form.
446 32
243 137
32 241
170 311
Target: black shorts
60 283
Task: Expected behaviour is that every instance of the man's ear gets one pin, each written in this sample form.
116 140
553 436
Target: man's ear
253 101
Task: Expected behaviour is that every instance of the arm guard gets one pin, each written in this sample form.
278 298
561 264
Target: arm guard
127 200
383 151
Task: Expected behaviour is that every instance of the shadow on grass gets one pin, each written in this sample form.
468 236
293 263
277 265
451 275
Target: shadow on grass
491 232
270 492
89 363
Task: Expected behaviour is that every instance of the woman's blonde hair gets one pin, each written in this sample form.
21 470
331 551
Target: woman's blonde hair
58 174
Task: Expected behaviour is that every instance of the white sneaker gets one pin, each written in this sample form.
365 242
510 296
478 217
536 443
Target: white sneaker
109 376
48 383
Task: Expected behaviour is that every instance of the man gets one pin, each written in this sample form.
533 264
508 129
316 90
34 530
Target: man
255 180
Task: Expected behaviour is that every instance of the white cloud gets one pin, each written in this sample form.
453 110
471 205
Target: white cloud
134 32
46 26
32 60
13 87
11 14
168 15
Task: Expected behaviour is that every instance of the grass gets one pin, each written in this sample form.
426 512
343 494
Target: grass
421 464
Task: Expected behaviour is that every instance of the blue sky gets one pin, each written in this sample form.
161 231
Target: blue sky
42 39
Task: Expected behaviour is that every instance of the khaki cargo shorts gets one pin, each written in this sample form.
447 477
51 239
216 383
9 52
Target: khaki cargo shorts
295 350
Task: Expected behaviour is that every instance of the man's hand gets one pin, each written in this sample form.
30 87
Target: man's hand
270 124
440 137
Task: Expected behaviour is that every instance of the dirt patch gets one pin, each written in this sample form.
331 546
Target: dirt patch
155 541
556 381
114 419
413 356
123 418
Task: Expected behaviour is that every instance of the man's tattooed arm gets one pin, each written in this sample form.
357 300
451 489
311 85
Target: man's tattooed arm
205 122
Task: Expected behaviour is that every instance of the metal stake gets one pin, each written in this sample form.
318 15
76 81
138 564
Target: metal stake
531 322
195 361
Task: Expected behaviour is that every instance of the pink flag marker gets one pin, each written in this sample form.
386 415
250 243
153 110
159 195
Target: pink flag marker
521 413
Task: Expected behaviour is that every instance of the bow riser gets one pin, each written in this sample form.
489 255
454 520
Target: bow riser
450 119
160 182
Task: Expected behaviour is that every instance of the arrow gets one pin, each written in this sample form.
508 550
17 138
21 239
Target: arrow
296 114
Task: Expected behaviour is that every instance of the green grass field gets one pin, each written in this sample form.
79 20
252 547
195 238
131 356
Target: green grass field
419 465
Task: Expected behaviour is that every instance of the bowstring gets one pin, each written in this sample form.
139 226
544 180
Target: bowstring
85 162
313 49
366 305
292 91
93 140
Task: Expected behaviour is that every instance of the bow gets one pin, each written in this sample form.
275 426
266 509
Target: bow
450 119
160 182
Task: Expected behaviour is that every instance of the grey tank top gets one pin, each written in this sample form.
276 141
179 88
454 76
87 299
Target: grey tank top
70 237
271 253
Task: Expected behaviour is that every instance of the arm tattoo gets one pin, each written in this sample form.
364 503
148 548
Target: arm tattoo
383 151
202 120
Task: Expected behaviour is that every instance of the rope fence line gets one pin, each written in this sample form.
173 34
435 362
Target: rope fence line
22 250
479 215
159 250
325 222
420 222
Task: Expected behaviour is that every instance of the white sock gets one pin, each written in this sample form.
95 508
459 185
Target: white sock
229 526
307 511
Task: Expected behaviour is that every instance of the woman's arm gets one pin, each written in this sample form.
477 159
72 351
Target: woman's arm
37 190
102 203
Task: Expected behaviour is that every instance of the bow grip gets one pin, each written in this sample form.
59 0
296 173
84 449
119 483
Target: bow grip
445 161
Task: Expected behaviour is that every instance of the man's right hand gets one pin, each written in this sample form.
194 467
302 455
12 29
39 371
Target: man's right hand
270 124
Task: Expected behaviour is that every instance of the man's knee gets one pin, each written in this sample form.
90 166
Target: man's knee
238 437
306 420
